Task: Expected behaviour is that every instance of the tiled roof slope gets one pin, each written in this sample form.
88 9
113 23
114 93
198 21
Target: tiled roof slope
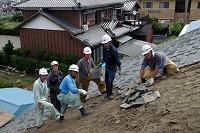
183 50
67 3
72 29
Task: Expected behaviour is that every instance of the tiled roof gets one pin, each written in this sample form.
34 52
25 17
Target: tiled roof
54 18
183 50
68 3
144 30
133 47
129 5
93 36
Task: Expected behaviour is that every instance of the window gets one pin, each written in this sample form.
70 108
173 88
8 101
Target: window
198 5
164 5
85 18
148 5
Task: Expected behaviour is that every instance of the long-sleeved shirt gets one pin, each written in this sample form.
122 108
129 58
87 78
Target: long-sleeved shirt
111 58
68 85
85 67
54 80
40 91
159 60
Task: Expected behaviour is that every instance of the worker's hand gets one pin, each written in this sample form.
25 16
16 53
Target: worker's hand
121 72
150 82
40 106
81 91
99 65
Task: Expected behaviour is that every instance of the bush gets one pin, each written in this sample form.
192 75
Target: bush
3 60
17 17
70 59
8 50
154 22
47 56
56 57
64 68
176 29
39 54
25 52
17 51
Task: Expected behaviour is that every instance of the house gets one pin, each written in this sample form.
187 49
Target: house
172 10
68 26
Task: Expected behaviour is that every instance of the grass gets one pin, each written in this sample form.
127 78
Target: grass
17 80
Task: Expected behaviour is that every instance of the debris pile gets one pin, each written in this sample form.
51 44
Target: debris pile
134 94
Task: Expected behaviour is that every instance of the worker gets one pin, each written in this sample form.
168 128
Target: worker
154 62
111 59
41 98
85 65
54 79
68 93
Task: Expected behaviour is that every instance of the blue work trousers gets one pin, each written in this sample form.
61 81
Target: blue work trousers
109 78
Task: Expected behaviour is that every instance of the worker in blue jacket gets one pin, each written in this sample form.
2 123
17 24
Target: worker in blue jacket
68 90
111 59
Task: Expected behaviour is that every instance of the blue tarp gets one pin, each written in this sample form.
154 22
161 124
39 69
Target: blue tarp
16 101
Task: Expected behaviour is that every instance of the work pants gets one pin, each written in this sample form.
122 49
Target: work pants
54 100
40 112
109 78
171 68
66 99
85 83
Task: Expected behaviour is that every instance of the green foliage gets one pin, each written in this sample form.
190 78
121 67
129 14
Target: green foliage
7 18
47 56
17 17
3 60
39 54
17 51
25 52
9 30
3 85
176 29
154 22
70 59
56 57
8 50
64 68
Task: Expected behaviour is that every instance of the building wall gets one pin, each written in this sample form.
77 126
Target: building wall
149 37
51 41
28 13
169 13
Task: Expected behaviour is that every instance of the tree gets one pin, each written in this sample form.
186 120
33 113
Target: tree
8 50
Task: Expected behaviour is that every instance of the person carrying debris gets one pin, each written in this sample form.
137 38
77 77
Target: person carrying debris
111 59
85 65
156 61
68 91
54 79
40 90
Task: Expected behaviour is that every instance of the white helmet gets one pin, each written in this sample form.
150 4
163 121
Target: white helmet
106 38
43 71
74 67
87 50
54 63
146 49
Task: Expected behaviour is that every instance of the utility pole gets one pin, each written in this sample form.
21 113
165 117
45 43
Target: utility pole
185 15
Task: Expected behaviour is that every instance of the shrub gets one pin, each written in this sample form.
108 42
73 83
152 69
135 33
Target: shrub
176 29
39 54
8 50
154 22
25 52
17 51
3 60
56 57
17 17
70 59
47 56
64 68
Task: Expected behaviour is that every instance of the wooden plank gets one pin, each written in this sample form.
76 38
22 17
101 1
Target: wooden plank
5 117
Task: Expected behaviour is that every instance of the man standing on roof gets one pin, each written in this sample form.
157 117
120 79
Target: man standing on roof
85 65
41 98
68 91
156 61
111 59
53 81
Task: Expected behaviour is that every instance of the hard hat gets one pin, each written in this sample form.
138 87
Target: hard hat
106 38
43 71
87 50
146 49
74 67
54 63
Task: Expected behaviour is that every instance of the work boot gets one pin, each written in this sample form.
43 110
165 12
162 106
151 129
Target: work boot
84 112
61 119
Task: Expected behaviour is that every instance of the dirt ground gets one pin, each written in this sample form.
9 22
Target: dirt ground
176 111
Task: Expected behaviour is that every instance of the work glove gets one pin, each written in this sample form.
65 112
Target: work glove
99 65
81 91
150 82
121 72
40 106
138 81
